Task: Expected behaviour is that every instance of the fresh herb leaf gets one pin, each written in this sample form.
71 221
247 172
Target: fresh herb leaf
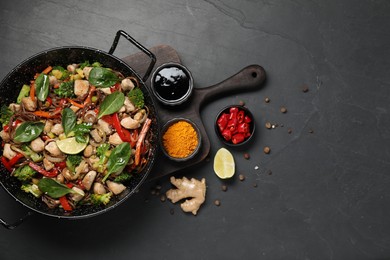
5 115
118 159
81 130
28 131
136 97
42 87
85 64
69 119
65 90
111 104
53 188
102 77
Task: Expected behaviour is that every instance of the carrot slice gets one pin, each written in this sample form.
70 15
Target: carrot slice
32 91
47 70
75 103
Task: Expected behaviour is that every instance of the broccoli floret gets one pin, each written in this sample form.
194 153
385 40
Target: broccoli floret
103 152
123 177
98 199
24 92
72 161
24 173
136 97
60 73
32 188
5 115
66 90
27 152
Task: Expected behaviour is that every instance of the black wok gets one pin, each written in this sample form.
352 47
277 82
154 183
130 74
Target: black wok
21 74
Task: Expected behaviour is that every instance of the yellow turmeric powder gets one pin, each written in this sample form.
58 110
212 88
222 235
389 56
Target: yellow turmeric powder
180 139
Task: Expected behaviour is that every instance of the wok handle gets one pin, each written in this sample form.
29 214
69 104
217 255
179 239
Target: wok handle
139 46
15 224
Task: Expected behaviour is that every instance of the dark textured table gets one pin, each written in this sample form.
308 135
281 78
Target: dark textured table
322 192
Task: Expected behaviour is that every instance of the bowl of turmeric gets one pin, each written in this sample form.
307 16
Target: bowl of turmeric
181 139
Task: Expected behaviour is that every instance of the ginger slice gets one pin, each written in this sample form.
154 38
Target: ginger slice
193 189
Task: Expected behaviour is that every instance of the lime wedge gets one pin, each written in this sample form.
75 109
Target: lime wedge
224 165
71 146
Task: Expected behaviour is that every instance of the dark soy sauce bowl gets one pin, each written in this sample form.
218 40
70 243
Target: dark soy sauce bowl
172 83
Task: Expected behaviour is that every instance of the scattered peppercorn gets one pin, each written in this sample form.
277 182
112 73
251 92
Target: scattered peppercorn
217 203
255 185
311 131
289 131
283 109
241 103
247 156
163 198
241 177
267 100
269 172
224 188
305 88
267 150
268 125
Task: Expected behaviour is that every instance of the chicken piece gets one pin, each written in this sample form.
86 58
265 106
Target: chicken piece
88 179
89 151
53 149
8 152
96 136
14 107
86 71
128 105
29 104
130 123
127 84
71 68
114 139
77 195
5 136
106 91
52 80
60 178
115 187
74 108
37 145
98 188
103 125
141 116
47 164
81 87
57 129
48 126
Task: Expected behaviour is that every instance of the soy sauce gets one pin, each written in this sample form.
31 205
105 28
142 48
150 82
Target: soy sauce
172 83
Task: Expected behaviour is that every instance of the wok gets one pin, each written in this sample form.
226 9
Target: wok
22 73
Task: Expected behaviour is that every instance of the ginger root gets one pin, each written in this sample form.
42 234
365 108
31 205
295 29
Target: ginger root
194 189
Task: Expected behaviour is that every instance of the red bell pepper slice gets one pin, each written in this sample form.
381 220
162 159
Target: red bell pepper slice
53 173
222 121
6 164
65 204
238 138
227 135
114 120
243 128
15 159
241 116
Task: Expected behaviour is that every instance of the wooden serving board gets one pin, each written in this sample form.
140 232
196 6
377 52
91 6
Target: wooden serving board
248 79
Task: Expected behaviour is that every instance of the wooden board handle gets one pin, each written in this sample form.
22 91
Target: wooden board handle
248 79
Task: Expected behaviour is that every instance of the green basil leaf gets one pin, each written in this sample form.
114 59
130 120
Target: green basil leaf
102 77
42 87
111 104
28 131
69 119
118 159
53 188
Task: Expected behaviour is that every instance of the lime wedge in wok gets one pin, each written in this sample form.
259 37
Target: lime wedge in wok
71 146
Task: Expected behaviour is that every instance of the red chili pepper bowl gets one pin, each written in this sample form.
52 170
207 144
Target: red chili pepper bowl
234 125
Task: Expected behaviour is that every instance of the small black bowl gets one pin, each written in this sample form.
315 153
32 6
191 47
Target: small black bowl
165 128
172 83
250 125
